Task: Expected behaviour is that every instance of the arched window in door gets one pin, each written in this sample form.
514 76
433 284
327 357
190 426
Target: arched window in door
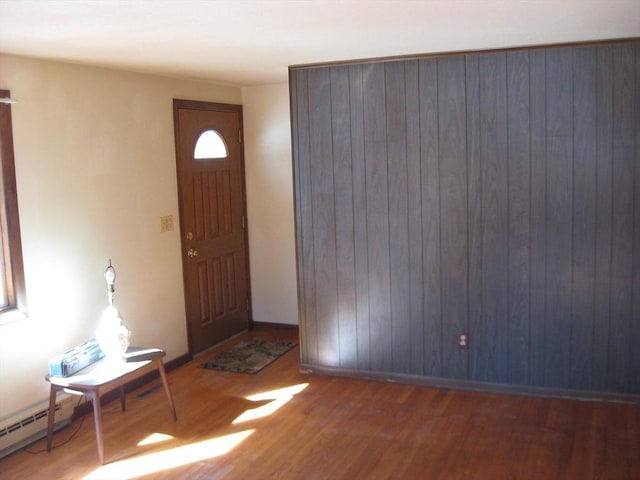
210 144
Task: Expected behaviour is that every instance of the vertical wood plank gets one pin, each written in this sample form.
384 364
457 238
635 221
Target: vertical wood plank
396 127
537 86
375 148
360 216
604 193
559 221
324 221
491 330
635 313
519 205
622 217
304 217
475 206
342 173
430 180
453 208
584 216
414 192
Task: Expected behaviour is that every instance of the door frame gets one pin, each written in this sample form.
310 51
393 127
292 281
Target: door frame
214 107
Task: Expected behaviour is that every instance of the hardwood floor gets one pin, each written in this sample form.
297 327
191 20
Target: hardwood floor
320 427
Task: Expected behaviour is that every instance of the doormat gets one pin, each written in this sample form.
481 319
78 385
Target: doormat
249 356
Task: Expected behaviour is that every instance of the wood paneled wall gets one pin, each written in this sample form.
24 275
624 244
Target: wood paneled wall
493 194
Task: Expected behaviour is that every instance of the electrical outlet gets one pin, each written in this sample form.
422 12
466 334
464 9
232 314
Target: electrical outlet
463 341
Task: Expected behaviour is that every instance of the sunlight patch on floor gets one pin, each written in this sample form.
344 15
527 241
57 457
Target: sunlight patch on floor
154 438
172 458
280 392
196 452
278 398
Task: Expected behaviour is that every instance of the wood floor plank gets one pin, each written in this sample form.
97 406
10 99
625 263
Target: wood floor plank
339 428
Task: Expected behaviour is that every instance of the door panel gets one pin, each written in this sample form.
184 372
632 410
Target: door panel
212 220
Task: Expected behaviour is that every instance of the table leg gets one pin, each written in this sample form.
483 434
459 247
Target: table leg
97 418
52 415
123 405
167 392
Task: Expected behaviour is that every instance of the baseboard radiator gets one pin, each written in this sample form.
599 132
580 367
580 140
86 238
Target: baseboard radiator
30 424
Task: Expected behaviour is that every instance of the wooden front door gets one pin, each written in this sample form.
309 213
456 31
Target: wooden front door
210 168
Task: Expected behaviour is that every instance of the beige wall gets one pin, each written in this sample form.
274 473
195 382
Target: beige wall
270 203
95 167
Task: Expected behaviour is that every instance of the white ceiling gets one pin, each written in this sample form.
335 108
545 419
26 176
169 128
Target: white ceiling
252 42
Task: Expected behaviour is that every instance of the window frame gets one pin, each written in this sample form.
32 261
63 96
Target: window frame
10 221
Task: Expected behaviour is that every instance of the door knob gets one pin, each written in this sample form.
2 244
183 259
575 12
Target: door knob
192 253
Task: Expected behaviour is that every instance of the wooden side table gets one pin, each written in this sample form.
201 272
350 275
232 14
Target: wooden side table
104 376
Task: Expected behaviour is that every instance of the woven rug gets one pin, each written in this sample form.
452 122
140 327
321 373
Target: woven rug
249 356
